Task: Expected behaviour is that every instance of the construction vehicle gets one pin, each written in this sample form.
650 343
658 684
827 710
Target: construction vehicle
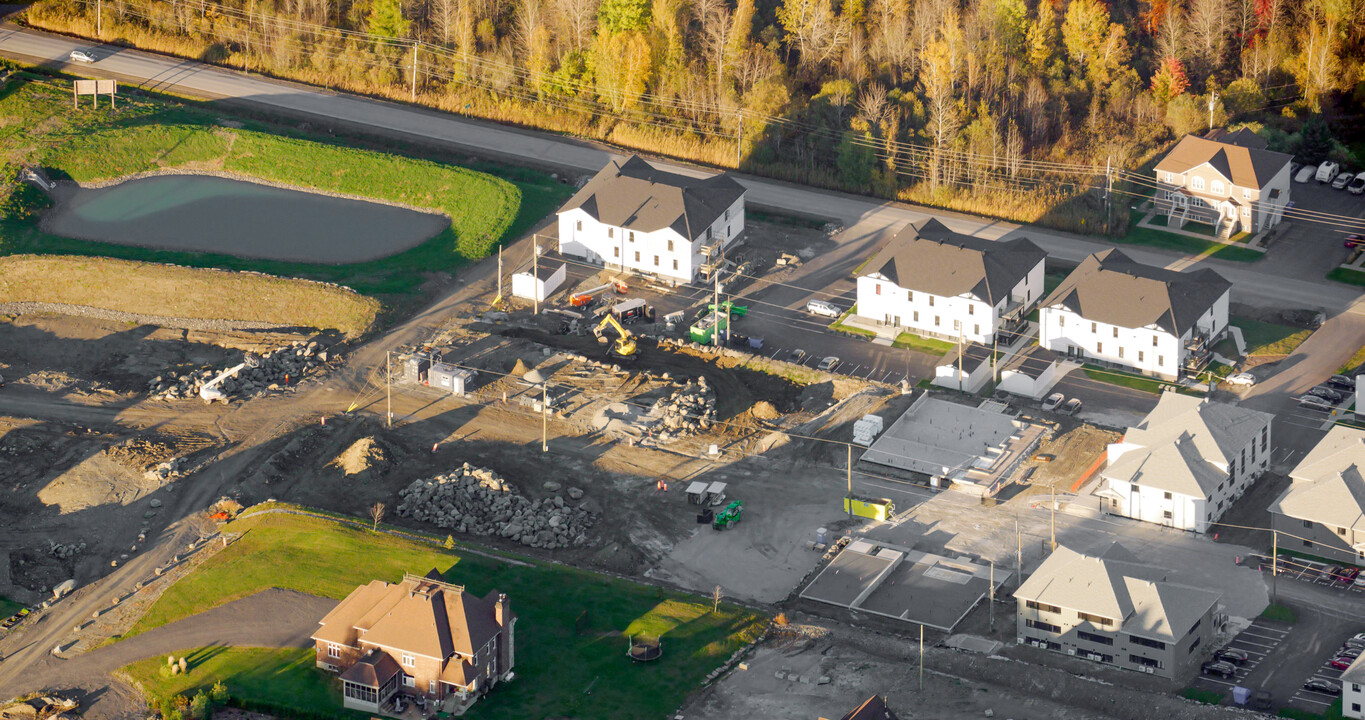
624 347
729 516
586 297
210 392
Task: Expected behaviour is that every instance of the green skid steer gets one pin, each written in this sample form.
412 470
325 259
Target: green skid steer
730 515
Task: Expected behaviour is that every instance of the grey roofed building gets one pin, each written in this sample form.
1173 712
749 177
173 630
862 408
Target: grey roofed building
1328 487
1243 137
1115 585
638 196
874 708
1232 155
929 257
1175 466
1112 288
1204 432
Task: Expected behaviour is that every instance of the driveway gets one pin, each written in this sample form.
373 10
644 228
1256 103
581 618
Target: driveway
270 618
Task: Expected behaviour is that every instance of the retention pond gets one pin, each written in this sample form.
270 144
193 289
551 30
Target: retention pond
204 213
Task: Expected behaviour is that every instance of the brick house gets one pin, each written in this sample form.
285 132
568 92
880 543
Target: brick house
1226 179
422 637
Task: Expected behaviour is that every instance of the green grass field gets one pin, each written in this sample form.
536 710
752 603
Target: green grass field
917 343
1348 276
487 205
1128 380
1280 613
8 607
1263 338
280 676
1208 697
572 627
1184 243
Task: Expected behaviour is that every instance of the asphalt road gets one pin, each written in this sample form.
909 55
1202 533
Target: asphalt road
866 220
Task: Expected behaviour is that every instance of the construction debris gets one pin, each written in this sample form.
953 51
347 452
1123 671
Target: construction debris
261 373
62 552
685 411
477 501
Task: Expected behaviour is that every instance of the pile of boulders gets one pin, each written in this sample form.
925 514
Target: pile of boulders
262 373
168 470
62 552
476 501
685 411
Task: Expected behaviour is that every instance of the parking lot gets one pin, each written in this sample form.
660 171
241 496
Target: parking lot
1259 642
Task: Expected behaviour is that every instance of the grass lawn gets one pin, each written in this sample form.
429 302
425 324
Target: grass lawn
8 607
149 132
1128 380
1280 613
573 623
1355 362
1346 275
280 676
1184 243
923 344
1332 713
1208 697
1263 338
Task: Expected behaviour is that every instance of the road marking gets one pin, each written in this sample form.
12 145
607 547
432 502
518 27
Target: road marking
1270 646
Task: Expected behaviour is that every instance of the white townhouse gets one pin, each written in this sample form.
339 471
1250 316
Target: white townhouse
1322 513
637 217
1113 310
935 282
1112 609
1186 463
1226 179
1353 690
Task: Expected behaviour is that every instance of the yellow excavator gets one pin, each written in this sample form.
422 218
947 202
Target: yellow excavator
624 347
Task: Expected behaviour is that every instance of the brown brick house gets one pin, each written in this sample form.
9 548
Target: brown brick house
420 637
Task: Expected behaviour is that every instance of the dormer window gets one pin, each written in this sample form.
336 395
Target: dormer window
1246 193
1197 183
1218 187
1170 178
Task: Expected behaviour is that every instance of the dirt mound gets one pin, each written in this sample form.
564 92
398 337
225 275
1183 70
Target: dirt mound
363 455
519 369
764 410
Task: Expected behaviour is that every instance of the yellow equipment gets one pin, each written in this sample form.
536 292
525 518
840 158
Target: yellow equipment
624 347
875 508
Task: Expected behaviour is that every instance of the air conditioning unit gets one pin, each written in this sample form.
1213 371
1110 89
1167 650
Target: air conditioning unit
1018 641
1071 651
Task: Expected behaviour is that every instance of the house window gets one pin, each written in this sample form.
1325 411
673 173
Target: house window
611 232
409 681
707 236
1218 187
1170 178
656 261
409 660
431 686
1246 193
1246 212
1094 327
1040 625
1095 619
1120 352
727 214
1139 356
637 256
936 321
1341 531
615 252
1197 183
1308 543
1168 496
909 295
1195 644
1035 605
1154 644
1092 637
1099 348
976 329
1154 341
333 650
675 264
1160 360
1308 523
1166 514
971 309
916 316
957 325
1061 320
1140 660
931 301
879 288
631 237
670 246
578 225
1116 331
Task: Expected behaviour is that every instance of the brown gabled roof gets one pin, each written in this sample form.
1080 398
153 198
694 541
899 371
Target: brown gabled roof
424 616
929 257
874 708
1112 288
373 670
638 196
1243 166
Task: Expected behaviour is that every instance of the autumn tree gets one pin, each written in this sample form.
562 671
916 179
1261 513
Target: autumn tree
386 19
1042 38
1170 80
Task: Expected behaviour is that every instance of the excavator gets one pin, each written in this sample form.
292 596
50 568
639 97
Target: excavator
624 347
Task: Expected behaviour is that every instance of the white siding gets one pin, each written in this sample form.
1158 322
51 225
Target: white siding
662 252
883 301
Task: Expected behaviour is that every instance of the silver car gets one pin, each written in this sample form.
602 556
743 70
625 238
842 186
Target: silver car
82 56
829 363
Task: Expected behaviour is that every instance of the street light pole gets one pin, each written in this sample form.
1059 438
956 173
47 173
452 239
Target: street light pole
849 501
544 416
388 386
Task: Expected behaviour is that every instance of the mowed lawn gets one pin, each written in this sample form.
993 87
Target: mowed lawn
572 631
1264 338
487 204
284 677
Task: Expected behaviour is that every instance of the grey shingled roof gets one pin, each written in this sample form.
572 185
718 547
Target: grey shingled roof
873 708
638 196
1243 166
1112 288
930 258
1110 585
1328 487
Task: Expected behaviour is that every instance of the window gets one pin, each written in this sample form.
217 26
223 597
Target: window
879 288
1341 531
1139 356
1246 193
1166 515
1116 331
727 214
1120 352
409 660
1061 320
361 693
1195 626
1043 607
936 321
1170 178
931 301
1040 625
631 237
1246 212
579 225
431 686
1160 360
670 246
971 309
1154 341
1146 661
1099 348
976 328
1308 523
909 295
707 235
1308 543
1197 183
637 256
916 316
1093 327
957 325
1168 496
611 232
1154 644
1195 644
333 650
1092 637
656 261
675 264
615 252
1355 707
409 681
1218 187
1095 619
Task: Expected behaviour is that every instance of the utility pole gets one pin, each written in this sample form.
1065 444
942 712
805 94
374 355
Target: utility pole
715 314
414 72
388 386
1108 188
545 416
1274 563
1213 99
921 657
1053 509
850 481
535 263
995 348
739 140
992 606
1018 555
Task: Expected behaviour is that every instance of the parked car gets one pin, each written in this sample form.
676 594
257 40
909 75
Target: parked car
1358 637
1357 186
1232 655
82 56
1306 173
1218 667
1353 643
797 356
1360 582
1342 382
1343 180
1354 241
1071 407
1245 379
829 363
821 307
1320 685
1327 394
1346 575
1313 402
1350 651
1329 572
1341 663
1053 401
1327 171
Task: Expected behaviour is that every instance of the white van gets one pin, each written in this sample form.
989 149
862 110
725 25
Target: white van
1327 171
821 307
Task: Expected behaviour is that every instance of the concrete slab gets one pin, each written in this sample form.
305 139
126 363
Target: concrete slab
846 577
974 643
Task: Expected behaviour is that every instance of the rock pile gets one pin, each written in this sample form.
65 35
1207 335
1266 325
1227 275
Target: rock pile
169 470
264 372
62 552
477 501
687 410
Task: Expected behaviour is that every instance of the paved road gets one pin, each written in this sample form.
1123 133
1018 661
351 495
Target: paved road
866 220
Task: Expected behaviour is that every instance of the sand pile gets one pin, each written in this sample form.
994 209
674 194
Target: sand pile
764 410
363 455
519 369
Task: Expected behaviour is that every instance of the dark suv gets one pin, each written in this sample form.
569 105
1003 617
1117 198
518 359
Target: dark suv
1220 668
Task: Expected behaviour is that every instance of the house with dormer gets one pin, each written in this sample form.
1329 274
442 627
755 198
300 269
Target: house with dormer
638 218
934 282
1228 180
1113 310
1186 463
1322 512
420 638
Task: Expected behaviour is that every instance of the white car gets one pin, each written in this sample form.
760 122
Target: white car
829 363
82 56
820 307
1243 379
1343 180
1053 401
1305 173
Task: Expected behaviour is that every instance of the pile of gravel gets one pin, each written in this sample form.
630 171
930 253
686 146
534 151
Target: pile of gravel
685 411
477 501
263 373
62 552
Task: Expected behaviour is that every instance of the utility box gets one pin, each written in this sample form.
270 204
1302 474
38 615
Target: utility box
875 508
448 377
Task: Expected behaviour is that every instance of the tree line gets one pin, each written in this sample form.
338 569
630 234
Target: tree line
1010 107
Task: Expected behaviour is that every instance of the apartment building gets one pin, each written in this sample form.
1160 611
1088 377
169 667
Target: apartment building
1323 511
1228 180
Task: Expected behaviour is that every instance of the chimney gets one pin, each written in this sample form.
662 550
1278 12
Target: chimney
500 611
